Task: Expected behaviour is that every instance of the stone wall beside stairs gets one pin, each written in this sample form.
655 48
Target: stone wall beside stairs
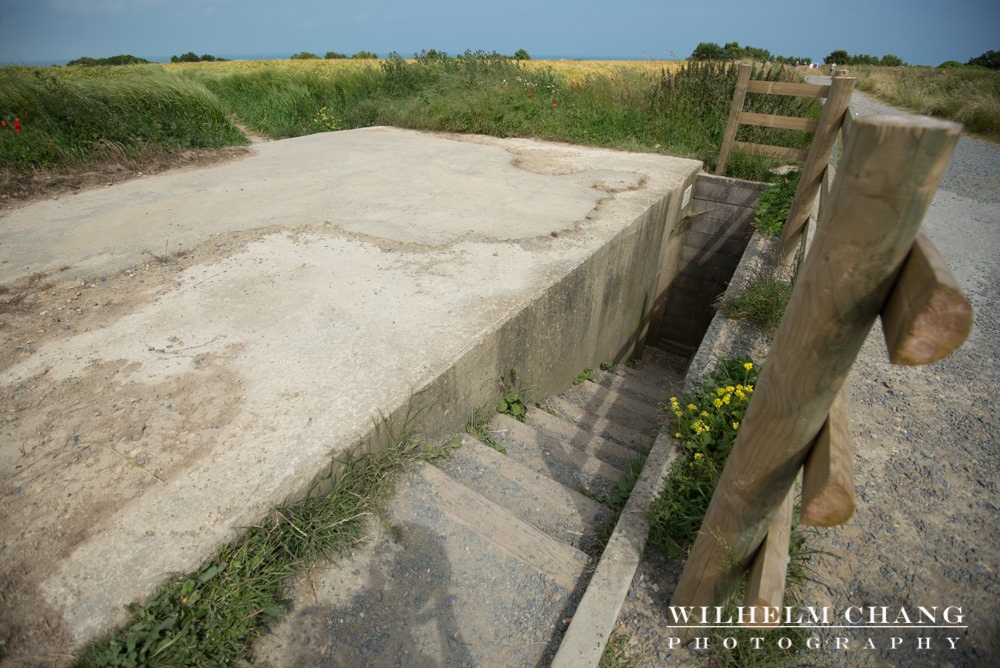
716 231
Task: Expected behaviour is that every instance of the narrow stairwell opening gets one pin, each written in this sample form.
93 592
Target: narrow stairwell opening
716 232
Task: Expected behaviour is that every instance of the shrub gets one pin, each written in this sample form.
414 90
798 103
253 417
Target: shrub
304 55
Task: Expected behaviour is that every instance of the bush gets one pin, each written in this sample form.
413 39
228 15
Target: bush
113 60
304 55
332 55
989 60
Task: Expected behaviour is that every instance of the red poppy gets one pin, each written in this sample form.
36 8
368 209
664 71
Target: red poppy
554 103
3 124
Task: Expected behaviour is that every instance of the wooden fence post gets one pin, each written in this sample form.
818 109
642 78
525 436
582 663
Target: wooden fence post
885 183
739 96
834 110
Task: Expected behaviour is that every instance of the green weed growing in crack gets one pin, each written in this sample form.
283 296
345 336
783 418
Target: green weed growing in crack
212 616
614 653
478 425
616 499
514 397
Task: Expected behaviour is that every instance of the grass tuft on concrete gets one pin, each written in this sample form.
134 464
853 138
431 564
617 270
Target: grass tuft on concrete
213 615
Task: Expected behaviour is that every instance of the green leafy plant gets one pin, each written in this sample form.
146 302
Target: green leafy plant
513 398
614 653
585 375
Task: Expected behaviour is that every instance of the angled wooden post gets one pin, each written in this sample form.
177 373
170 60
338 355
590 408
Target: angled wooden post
832 117
828 478
885 183
739 97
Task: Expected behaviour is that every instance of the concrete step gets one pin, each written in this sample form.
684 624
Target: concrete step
560 461
457 581
599 424
533 497
617 407
649 383
619 456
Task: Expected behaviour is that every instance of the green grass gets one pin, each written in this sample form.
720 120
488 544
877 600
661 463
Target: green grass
71 119
71 115
478 425
212 616
772 207
969 95
761 300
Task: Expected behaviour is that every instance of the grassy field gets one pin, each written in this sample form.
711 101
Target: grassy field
72 115
51 117
969 95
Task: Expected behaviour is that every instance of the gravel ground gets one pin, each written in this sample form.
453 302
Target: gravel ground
928 470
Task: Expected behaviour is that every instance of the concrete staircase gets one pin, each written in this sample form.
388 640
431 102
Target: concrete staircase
489 553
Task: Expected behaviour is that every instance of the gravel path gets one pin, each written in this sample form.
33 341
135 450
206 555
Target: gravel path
927 444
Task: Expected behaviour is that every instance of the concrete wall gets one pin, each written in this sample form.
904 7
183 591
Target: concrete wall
600 311
715 234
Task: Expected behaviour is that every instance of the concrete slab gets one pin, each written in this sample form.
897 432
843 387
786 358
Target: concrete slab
327 278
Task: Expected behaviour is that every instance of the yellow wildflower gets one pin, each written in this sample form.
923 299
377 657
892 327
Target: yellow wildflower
736 425
748 366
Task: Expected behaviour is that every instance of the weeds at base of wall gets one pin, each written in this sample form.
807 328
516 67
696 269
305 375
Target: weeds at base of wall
213 616
706 424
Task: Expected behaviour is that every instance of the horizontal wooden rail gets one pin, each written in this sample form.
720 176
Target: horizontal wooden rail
830 122
773 151
927 317
786 88
774 121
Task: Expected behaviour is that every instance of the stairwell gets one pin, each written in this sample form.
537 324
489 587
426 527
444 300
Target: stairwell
490 550
492 553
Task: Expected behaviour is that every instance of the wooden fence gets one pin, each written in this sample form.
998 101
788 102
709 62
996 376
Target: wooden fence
867 259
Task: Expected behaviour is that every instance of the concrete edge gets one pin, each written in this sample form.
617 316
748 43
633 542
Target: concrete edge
597 614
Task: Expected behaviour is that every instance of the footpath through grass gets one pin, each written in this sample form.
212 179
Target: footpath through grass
74 114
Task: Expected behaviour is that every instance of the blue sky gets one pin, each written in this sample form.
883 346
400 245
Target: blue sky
925 32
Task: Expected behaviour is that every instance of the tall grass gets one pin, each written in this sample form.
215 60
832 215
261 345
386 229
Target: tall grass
968 95
72 114
85 114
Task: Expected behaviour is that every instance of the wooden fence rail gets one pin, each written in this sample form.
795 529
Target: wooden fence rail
859 266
